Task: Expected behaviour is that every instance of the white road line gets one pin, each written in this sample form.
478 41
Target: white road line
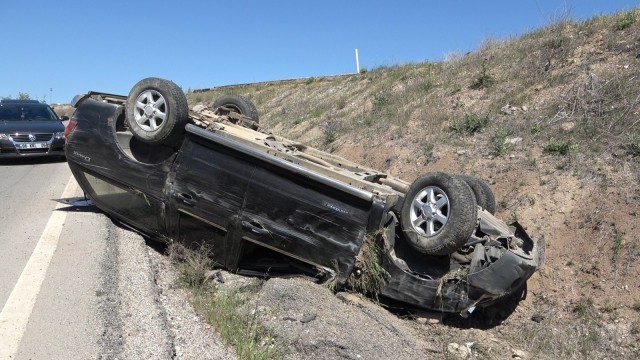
17 310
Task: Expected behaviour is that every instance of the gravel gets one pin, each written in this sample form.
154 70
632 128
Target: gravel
144 316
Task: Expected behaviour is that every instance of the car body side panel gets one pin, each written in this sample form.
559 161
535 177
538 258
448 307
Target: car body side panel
305 219
93 148
209 187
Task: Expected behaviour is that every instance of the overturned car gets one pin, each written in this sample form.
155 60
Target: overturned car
268 206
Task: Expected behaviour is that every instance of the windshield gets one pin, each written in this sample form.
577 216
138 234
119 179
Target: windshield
21 112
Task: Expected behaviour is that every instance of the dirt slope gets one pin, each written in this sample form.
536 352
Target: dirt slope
552 121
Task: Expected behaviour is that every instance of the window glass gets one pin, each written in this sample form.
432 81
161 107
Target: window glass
134 205
18 112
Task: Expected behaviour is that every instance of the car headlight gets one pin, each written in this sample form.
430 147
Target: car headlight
60 135
4 137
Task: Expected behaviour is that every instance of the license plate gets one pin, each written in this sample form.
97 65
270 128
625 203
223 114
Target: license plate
35 145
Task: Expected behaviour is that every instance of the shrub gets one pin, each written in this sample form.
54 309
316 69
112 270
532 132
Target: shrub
484 80
634 144
499 143
625 20
469 124
558 147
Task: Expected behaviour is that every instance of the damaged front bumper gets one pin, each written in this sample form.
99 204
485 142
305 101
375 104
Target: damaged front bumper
494 266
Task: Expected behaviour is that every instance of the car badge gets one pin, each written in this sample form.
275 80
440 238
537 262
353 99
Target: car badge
32 137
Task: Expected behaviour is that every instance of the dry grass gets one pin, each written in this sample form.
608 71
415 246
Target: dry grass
572 176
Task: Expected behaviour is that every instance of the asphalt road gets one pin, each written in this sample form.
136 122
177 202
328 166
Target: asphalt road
75 285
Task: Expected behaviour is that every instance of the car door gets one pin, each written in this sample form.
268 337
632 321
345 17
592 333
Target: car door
206 195
293 214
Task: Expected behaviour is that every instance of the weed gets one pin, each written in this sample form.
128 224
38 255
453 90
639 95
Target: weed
310 80
458 104
469 124
610 306
536 128
330 127
558 147
618 241
317 112
500 145
223 309
426 85
341 103
369 274
237 327
192 264
484 79
531 160
634 144
625 20
381 100
584 307
427 150
636 306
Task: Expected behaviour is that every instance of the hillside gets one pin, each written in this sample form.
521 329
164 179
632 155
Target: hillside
552 120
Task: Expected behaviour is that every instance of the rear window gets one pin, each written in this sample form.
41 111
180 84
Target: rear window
21 112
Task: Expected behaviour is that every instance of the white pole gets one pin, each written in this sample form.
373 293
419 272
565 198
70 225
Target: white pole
357 63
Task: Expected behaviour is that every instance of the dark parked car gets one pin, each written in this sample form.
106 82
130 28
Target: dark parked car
268 206
29 128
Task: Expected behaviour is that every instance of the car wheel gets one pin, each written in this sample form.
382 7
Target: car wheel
236 103
157 111
482 191
439 213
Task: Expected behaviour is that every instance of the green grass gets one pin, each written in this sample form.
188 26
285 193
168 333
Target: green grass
618 241
559 147
625 20
225 310
499 142
634 144
469 124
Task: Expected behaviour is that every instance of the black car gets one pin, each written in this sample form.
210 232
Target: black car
29 128
268 206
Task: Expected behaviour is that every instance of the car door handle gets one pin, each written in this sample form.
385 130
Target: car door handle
254 227
185 199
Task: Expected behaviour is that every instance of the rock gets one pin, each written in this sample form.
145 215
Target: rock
461 152
458 351
514 140
537 317
568 126
519 354
507 109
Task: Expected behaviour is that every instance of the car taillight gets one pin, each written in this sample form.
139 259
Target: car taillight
69 129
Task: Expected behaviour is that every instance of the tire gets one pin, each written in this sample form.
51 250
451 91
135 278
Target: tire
438 214
237 103
484 195
157 112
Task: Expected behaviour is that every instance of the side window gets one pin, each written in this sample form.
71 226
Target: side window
136 206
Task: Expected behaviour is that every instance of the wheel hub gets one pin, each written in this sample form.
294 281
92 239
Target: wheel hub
149 110
429 211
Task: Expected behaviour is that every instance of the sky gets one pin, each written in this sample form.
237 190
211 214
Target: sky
53 50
